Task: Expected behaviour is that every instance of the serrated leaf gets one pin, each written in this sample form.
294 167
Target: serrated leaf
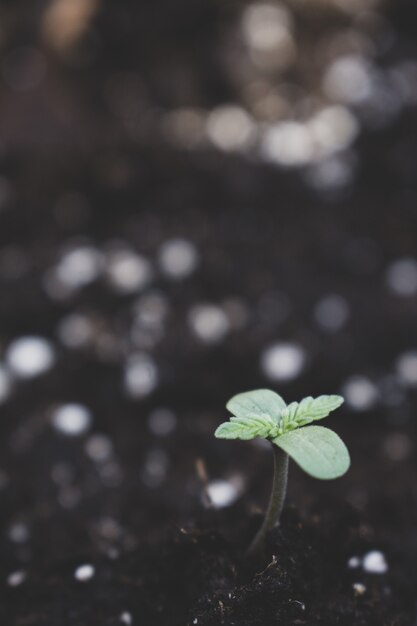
259 425
317 450
260 402
228 430
262 420
311 409
233 430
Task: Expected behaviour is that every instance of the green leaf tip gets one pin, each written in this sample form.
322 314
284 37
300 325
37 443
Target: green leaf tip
259 402
311 409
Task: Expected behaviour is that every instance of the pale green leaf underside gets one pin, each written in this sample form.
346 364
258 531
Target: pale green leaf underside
261 402
317 450
310 409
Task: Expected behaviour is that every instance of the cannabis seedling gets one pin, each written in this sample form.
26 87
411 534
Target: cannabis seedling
317 450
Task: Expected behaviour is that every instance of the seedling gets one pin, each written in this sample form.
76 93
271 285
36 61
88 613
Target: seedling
317 450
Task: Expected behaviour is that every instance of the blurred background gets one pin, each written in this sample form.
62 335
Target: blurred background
197 199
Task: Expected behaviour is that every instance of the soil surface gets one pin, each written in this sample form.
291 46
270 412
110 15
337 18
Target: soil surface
195 576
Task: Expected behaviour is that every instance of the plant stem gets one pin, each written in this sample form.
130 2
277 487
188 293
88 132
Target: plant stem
276 502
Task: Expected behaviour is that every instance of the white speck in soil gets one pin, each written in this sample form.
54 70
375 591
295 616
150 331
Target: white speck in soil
99 448
360 393
230 128
85 572
401 277
79 266
331 313
406 366
334 128
359 589
348 79
113 553
126 618
150 310
195 621
75 331
109 529
374 562
222 493
126 271
267 28
19 533
162 422
140 375
28 357
16 578
288 144
178 258
354 562
283 361
209 323
72 419
300 604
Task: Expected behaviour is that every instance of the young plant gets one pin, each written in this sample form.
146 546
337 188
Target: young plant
317 450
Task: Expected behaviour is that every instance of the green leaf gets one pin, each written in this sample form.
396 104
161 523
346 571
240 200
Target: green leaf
317 450
259 425
261 402
245 428
231 430
228 430
310 409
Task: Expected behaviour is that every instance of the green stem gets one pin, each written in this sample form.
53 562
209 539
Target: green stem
276 502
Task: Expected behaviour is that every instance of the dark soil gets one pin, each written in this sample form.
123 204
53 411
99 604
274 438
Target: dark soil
196 576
